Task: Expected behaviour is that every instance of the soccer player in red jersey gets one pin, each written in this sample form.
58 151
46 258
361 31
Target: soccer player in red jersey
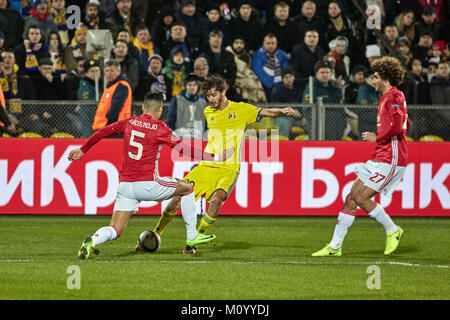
386 167
139 180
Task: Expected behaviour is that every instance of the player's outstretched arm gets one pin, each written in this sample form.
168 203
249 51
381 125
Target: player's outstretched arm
277 112
184 149
110 130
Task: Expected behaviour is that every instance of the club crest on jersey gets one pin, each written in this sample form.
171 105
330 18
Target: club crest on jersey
232 115
395 106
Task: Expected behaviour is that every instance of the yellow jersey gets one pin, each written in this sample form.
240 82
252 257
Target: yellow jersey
226 128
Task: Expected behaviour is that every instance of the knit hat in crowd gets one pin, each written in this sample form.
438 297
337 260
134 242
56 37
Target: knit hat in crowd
177 23
45 62
321 64
403 40
368 72
90 63
426 32
428 10
249 2
200 62
358 68
214 6
191 77
185 3
93 3
439 45
287 70
216 32
155 56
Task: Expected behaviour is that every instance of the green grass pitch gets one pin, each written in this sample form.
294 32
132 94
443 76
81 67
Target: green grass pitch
254 258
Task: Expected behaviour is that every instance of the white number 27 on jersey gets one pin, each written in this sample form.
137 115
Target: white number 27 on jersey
136 144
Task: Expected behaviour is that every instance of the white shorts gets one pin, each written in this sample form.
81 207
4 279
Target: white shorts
130 194
379 176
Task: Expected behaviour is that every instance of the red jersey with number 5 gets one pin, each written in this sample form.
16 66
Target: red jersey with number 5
392 125
143 139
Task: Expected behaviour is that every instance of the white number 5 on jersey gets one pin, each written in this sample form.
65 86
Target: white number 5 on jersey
136 144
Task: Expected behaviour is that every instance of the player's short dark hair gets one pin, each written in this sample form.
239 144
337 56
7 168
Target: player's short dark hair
214 82
389 68
153 100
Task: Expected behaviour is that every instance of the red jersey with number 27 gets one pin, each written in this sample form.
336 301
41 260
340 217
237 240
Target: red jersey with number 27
392 125
143 139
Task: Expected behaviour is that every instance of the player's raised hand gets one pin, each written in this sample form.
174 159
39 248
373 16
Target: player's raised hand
369 136
75 154
291 112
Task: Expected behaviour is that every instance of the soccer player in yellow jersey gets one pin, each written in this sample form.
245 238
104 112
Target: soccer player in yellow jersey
227 123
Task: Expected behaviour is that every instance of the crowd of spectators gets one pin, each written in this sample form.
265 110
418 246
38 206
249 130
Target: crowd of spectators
266 50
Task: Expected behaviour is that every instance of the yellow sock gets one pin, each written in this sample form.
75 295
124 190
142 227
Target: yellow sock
205 222
164 220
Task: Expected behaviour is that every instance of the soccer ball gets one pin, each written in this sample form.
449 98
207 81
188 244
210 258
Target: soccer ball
149 241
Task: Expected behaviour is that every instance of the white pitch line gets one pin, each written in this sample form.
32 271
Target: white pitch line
399 263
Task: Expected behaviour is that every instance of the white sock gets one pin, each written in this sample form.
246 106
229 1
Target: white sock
381 216
103 235
189 213
344 221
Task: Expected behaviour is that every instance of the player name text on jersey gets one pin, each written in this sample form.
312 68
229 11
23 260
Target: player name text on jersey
145 125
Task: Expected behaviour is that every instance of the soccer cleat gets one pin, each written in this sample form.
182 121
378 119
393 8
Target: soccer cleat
200 239
86 249
328 251
392 241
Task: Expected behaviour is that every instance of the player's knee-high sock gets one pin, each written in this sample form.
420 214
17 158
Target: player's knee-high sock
103 235
344 221
205 223
189 212
164 220
377 212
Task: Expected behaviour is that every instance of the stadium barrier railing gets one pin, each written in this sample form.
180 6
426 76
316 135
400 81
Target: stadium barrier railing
428 122
319 121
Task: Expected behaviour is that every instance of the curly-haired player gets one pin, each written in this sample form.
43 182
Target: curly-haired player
386 167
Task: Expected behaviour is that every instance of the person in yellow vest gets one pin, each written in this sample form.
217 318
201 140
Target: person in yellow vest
115 102
5 122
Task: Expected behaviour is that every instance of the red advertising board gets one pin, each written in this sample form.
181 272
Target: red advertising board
276 178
